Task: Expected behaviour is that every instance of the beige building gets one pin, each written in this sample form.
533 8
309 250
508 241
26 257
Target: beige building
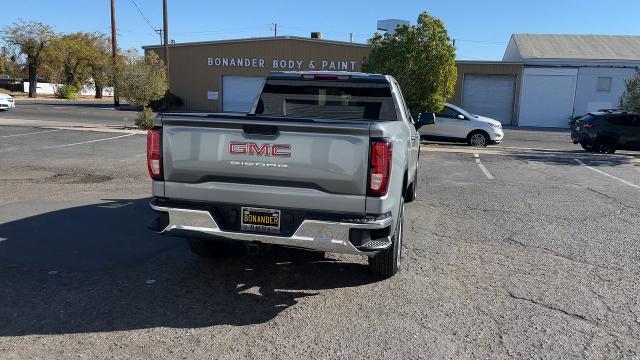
226 75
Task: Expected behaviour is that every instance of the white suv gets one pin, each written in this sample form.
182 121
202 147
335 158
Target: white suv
456 124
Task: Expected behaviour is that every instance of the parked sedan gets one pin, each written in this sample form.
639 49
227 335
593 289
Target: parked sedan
6 102
457 125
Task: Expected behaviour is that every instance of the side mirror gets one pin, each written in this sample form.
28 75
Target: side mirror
461 117
425 119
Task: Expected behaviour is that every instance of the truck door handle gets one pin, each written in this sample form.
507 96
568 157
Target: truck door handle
268 130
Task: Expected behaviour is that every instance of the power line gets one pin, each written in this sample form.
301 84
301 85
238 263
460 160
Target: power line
142 14
219 31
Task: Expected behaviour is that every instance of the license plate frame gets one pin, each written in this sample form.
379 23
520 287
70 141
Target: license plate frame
263 220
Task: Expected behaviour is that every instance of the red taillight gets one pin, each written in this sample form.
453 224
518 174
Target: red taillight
154 154
589 125
379 167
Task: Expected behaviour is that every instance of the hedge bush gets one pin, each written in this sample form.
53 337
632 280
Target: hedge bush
145 119
68 92
167 102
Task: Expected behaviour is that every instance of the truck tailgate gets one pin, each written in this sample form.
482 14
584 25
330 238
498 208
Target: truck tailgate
272 162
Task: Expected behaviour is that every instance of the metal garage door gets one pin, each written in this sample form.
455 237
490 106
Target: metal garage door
240 92
489 95
547 97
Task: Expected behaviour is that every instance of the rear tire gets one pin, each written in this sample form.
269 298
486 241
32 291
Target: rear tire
478 138
387 263
606 146
586 146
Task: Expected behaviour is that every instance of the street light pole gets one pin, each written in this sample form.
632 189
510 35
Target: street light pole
166 37
114 52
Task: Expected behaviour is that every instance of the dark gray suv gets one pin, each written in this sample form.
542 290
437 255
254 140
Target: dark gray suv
607 131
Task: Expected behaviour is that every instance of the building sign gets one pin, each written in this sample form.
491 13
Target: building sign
283 64
212 95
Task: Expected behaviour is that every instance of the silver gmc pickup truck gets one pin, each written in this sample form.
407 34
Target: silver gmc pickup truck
325 161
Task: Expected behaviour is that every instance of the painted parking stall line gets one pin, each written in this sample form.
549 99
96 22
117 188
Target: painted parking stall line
482 167
31 133
87 142
608 175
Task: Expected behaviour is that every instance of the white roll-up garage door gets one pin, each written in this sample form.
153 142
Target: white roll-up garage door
489 95
547 97
240 92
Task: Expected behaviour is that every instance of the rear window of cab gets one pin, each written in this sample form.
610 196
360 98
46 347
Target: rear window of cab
340 100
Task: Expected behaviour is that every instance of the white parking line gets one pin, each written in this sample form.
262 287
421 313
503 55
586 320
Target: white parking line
87 142
142 154
31 133
605 174
486 172
484 169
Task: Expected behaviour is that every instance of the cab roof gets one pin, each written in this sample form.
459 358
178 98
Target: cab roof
328 75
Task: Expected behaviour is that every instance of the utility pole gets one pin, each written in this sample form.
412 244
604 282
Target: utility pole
114 52
275 29
166 37
159 32
350 37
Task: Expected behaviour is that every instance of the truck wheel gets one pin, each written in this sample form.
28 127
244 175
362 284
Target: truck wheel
387 263
205 248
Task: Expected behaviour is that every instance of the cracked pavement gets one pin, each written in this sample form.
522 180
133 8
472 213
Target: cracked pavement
541 262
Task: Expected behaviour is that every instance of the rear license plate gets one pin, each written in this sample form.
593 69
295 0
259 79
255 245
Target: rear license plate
260 220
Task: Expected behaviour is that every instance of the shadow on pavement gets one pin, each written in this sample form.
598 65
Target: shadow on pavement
568 158
97 268
82 104
537 129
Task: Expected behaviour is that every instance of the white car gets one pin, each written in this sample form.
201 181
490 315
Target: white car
6 102
457 125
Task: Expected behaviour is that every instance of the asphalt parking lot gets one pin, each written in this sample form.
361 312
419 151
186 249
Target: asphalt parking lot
525 249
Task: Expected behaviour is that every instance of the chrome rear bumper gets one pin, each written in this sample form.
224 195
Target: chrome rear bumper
330 236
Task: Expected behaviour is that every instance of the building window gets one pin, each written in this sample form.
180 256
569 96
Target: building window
604 84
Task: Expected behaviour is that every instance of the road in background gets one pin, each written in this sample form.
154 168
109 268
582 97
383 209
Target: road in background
541 260
102 113
85 112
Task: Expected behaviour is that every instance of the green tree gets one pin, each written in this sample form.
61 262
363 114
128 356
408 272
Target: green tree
101 63
67 59
31 39
141 80
630 99
79 59
421 58
9 64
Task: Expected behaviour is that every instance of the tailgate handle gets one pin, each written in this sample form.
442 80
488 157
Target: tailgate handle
268 130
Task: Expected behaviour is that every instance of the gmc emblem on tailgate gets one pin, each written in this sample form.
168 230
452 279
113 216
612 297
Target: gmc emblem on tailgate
241 148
